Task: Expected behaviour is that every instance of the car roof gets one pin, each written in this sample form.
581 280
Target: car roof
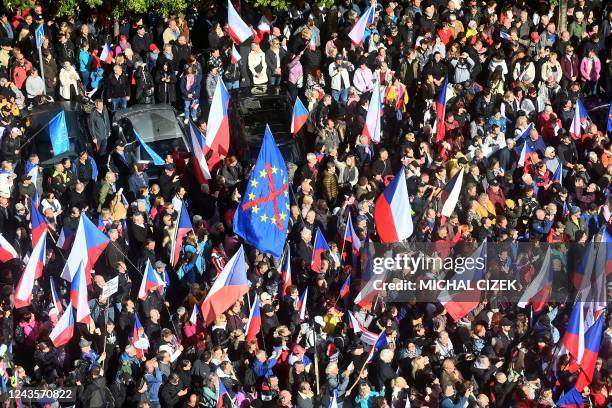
165 113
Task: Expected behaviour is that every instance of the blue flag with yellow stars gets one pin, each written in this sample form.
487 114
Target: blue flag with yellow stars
262 216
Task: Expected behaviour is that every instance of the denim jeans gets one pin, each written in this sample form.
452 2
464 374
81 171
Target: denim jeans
232 85
340 96
119 103
275 80
190 108
85 78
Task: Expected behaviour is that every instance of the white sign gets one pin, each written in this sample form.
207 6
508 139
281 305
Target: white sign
111 287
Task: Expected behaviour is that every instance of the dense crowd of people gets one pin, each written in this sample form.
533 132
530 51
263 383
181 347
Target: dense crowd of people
516 72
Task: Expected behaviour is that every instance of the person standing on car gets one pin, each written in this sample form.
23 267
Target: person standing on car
118 89
257 65
145 89
34 86
190 90
274 58
99 126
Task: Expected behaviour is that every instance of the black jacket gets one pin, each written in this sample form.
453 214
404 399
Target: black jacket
117 87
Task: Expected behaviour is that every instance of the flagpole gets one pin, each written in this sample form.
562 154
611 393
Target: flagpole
344 237
316 357
348 392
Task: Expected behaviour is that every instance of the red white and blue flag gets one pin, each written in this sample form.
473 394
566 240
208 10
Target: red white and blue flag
89 243
573 339
319 247
183 228
253 326
592 342
286 271
460 304
150 281
65 238
230 285
235 56
351 251
302 302
358 31
392 212
538 291
39 225
56 303
217 132
7 252
33 271
139 339
195 315
372 126
221 392
299 116
368 337
442 99
580 119
64 330
450 194
346 287
237 29
78 295
202 171
106 54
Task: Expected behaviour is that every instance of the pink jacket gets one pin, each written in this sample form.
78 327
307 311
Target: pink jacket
595 71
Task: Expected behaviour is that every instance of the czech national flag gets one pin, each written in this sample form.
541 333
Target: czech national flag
78 295
89 243
592 342
352 238
230 285
525 155
580 118
505 36
39 226
195 315
346 287
150 280
221 392
460 304
571 399
237 29
538 290
443 97
319 247
183 228
392 212
450 194
558 175
235 56
253 326
368 337
55 300
372 125
7 252
286 271
64 330
139 339
357 32
31 170
217 133
106 54
573 339
65 238
33 271
302 302
299 117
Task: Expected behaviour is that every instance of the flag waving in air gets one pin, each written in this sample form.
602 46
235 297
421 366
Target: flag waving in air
236 27
39 226
573 339
592 342
538 290
357 32
444 96
580 119
78 295
372 125
150 280
253 326
235 55
217 133
263 215
58 132
33 271
64 330
195 315
183 228
202 171
450 194
299 116
346 287
319 247
230 285
392 212
7 252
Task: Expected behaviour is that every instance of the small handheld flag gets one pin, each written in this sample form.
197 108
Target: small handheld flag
299 116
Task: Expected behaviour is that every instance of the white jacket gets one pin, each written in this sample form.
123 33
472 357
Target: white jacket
67 79
256 58
340 77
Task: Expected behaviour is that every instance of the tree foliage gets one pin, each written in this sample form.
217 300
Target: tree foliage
284 4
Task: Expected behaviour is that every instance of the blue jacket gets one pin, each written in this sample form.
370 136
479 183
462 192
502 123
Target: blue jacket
264 369
154 382
195 90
